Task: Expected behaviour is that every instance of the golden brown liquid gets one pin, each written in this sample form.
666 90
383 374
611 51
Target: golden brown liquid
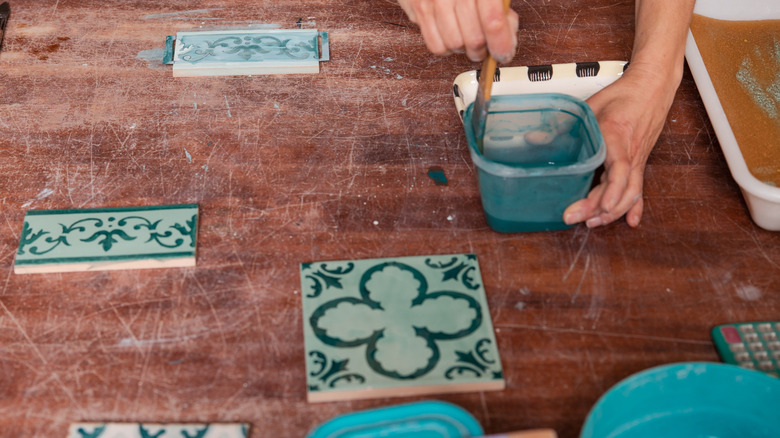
743 60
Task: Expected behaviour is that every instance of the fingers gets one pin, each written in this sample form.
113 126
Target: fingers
448 26
584 209
425 14
473 26
500 36
473 37
591 209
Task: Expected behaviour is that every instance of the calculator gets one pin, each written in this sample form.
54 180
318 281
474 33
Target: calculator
751 345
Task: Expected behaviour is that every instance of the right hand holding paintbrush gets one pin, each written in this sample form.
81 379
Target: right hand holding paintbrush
475 27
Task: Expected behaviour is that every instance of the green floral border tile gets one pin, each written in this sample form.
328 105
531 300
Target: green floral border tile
149 430
255 51
397 326
108 238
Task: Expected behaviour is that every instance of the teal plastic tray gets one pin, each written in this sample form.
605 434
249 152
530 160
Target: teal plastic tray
431 419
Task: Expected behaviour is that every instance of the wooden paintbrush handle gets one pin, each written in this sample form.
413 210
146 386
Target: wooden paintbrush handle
489 67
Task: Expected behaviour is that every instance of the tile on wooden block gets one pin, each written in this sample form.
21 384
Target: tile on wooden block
397 327
248 52
144 430
107 238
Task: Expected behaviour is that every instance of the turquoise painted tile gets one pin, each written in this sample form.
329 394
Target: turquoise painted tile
396 327
144 430
232 52
108 238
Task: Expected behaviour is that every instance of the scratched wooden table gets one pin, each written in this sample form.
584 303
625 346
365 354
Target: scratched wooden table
289 169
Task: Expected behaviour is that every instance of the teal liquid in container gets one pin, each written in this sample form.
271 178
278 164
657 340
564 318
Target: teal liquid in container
540 152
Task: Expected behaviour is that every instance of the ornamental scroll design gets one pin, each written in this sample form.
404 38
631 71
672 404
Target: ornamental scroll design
106 233
249 48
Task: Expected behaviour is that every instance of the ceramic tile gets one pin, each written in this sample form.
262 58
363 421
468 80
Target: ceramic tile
143 430
395 327
248 52
110 238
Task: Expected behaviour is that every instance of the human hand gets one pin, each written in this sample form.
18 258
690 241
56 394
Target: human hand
631 113
474 26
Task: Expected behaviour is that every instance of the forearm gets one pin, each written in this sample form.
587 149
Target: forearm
659 42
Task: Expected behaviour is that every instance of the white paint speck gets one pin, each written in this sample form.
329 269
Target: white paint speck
748 292
43 194
376 222
525 291
187 154
228 107
520 305
449 218
388 59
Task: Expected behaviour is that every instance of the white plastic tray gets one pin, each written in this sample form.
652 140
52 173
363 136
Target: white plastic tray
762 200
580 80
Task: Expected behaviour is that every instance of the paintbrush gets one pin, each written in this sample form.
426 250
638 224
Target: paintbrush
5 11
480 111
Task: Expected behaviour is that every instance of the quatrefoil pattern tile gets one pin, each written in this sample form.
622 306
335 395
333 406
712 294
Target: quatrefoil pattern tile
394 327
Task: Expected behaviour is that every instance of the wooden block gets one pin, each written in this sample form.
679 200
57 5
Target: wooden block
143 430
248 52
108 238
397 327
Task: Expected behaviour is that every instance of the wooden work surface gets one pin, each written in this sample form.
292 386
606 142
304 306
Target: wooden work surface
291 169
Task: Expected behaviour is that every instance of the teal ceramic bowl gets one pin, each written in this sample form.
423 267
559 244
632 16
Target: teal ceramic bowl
691 400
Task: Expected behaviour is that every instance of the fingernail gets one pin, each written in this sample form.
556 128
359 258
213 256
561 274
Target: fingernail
572 218
593 222
503 58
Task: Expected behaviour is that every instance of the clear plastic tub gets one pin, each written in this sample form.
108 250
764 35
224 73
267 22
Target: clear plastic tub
540 154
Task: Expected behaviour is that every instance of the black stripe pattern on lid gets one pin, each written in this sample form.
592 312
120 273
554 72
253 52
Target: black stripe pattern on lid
537 73
496 75
455 90
587 69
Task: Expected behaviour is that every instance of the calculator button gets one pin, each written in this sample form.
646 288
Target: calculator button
769 337
766 365
761 355
730 334
751 337
737 348
777 326
764 328
748 365
742 357
776 355
774 346
756 346
746 328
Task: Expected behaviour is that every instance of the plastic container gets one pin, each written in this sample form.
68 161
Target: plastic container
539 155
694 399
428 419
763 200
